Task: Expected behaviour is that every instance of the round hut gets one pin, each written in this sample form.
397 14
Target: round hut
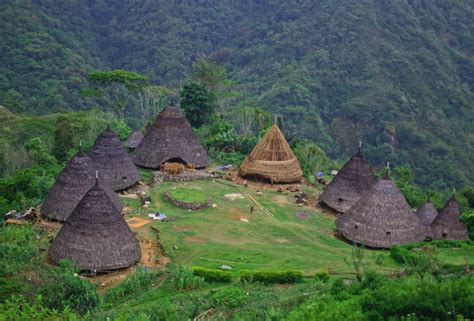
95 236
381 218
113 162
353 180
447 225
272 159
134 140
427 213
170 139
77 177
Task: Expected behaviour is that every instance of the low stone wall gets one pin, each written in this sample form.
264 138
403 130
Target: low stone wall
184 176
186 205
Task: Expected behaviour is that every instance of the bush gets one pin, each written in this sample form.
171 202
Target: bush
322 276
212 275
268 276
135 283
468 219
230 297
64 288
19 308
183 278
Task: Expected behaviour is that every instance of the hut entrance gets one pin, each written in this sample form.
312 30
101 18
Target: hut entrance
258 178
175 160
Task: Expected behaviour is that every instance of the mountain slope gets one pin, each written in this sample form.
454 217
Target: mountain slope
397 75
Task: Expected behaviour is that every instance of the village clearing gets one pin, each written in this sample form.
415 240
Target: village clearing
239 233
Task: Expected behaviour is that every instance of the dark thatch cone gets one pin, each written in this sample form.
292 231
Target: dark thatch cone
77 177
170 138
95 236
134 140
427 213
354 179
381 218
272 159
447 225
113 162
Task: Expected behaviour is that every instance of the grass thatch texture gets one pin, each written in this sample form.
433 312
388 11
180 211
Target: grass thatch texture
95 236
354 179
113 162
381 218
170 137
77 177
272 159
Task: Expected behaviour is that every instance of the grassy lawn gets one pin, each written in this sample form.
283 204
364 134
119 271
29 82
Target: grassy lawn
188 195
230 234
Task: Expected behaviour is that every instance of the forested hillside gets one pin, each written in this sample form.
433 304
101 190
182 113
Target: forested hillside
397 75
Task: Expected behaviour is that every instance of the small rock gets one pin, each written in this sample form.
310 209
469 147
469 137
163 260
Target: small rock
225 267
259 193
214 205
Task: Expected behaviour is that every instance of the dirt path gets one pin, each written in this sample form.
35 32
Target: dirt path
149 258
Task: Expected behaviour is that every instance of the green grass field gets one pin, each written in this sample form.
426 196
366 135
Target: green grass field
188 195
229 234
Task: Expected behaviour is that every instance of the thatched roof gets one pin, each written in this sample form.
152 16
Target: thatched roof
170 138
134 139
272 159
381 218
77 177
95 236
447 225
113 162
427 213
354 179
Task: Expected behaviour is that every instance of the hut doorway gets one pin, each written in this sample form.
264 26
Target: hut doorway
176 160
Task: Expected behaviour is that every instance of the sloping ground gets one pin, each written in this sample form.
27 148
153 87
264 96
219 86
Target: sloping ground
229 233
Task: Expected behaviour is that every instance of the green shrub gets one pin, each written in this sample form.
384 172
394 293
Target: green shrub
63 287
19 308
269 276
468 219
322 276
233 297
183 278
212 275
134 284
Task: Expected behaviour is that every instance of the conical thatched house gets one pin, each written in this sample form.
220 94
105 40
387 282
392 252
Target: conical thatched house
427 213
134 140
77 177
113 162
447 225
272 159
381 218
170 139
354 179
95 236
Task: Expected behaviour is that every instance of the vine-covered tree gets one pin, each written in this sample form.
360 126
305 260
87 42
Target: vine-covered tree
198 103
121 85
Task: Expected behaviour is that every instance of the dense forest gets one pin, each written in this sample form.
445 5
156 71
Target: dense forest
396 75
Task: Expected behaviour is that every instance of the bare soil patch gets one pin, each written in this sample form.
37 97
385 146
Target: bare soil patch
137 222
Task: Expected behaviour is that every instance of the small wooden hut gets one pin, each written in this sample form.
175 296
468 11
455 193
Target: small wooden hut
112 161
272 159
170 139
77 177
353 180
95 236
381 218
447 225
134 140
427 213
